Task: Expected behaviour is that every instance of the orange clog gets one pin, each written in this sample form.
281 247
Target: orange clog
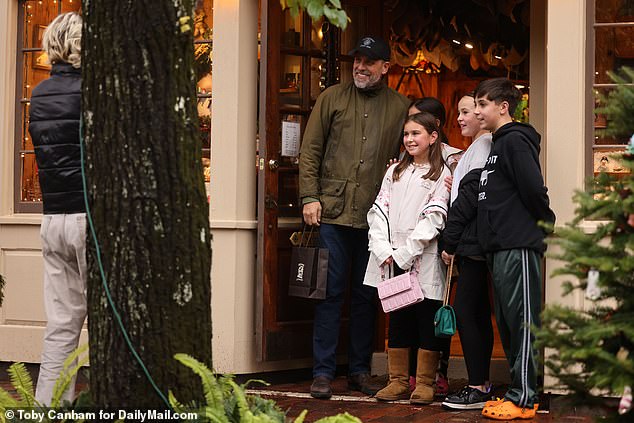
493 403
506 410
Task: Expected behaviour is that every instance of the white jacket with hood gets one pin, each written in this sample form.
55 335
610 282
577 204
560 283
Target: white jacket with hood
405 221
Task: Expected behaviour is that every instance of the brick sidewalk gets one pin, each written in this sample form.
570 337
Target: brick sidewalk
293 397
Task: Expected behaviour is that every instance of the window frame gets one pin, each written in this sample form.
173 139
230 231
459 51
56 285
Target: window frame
20 206
205 152
591 85
22 49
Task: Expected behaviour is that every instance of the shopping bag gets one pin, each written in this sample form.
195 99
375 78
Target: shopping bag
309 271
445 318
400 291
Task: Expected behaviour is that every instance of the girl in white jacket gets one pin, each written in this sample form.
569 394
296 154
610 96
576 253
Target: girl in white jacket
405 220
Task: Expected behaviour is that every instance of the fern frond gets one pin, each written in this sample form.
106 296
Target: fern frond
301 417
213 415
340 418
70 370
7 401
22 383
176 404
246 384
241 400
211 389
223 383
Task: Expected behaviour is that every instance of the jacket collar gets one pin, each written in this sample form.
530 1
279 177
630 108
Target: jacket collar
63 67
374 91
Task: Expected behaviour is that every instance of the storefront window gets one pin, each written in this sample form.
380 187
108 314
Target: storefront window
203 49
612 29
33 67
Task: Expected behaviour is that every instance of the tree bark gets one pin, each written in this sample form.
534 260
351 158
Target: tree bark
147 198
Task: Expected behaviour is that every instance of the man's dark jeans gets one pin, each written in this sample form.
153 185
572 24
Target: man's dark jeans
347 260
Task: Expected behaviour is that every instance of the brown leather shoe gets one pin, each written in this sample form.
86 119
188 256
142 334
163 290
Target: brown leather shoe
321 388
363 382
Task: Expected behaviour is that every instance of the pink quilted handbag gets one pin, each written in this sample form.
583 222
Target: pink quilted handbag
400 291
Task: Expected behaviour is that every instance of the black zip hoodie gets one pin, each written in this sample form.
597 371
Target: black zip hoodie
512 197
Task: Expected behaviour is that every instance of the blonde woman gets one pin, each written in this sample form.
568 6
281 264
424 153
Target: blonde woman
472 306
54 128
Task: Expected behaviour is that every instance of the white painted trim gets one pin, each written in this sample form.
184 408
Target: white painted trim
21 219
234 224
8 52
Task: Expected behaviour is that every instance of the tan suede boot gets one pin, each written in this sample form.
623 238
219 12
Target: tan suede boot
425 375
398 366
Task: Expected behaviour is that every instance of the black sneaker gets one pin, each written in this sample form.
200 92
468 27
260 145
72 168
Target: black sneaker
467 399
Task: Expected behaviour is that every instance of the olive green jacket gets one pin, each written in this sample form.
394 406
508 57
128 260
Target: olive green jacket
349 139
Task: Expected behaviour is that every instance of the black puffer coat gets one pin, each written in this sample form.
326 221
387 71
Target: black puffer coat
54 127
460 235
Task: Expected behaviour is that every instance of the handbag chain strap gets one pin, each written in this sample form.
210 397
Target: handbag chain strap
445 300
390 267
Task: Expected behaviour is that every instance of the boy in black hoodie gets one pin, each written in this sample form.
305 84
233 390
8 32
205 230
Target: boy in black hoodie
512 198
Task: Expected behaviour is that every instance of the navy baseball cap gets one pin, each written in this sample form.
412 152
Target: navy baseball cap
373 47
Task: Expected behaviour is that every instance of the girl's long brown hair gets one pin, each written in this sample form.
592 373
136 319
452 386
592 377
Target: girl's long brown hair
427 121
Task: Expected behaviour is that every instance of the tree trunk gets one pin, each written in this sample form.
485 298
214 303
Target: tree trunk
147 199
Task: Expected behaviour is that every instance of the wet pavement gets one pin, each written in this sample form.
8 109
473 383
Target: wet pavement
294 397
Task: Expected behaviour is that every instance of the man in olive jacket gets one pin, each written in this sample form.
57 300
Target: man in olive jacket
352 132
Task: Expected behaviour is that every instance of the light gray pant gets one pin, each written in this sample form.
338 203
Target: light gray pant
64 250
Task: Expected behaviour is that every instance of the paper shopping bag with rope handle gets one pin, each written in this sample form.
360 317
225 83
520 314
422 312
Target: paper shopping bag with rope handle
309 271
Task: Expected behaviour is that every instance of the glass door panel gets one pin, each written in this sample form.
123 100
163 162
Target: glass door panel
317 35
291 81
292 33
317 78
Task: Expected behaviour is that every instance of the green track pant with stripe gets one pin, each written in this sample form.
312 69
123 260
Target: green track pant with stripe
517 293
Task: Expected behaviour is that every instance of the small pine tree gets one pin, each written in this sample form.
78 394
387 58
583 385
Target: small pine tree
595 347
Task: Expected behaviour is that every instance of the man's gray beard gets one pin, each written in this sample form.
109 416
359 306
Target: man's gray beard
368 87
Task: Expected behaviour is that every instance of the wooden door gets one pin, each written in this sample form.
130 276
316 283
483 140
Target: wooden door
299 58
